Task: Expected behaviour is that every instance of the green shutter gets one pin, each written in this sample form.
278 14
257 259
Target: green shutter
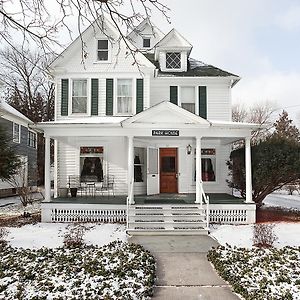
109 96
94 97
174 94
139 95
64 97
202 102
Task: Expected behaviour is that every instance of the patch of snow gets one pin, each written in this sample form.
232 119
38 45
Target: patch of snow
51 235
16 208
283 200
241 235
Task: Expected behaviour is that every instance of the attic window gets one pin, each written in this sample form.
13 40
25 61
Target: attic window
173 60
102 50
146 43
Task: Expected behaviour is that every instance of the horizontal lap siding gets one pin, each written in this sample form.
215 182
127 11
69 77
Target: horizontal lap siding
68 158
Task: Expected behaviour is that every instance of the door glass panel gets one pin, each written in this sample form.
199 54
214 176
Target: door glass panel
168 164
153 161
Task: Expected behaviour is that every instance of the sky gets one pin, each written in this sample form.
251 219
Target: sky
259 40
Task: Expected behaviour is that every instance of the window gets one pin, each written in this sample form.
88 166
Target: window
124 96
146 43
79 96
91 164
187 97
31 140
208 165
16 133
139 164
102 50
173 60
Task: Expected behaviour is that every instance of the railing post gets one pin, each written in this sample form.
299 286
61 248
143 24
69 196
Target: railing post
207 212
130 174
47 170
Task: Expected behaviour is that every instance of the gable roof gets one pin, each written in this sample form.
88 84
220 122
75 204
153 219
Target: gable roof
5 109
138 29
195 68
165 114
173 39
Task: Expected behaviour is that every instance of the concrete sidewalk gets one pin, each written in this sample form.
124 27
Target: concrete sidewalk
183 271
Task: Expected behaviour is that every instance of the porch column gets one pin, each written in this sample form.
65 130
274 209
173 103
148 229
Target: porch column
47 170
248 170
130 174
198 171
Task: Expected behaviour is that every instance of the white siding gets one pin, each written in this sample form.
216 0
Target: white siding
218 94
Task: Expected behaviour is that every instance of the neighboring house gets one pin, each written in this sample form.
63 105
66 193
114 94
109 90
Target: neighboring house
158 133
23 139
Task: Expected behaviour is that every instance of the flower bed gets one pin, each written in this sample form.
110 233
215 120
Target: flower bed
115 271
260 274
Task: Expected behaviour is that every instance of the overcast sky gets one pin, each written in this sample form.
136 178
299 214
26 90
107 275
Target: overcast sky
259 40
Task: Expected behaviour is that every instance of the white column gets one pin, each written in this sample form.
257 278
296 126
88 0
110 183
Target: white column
198 171
47 170
130 174
55 169
248 170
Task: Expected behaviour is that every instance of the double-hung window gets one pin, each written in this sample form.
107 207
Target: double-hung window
173 60
102 50
31 141
146 43
16 133
124 96
187 97
79 96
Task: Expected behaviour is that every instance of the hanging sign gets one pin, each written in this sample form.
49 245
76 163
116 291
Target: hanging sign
159 132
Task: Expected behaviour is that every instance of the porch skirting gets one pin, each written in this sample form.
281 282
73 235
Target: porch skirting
79 212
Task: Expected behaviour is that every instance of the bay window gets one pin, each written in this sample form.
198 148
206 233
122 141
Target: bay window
124 96
79 96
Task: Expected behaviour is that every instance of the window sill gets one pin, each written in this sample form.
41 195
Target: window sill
101 62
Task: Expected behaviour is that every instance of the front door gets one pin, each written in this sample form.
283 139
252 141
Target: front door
168 170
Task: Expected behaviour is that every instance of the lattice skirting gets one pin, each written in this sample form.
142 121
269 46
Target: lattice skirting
88 215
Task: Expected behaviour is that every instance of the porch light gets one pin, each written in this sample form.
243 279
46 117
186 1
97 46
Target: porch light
188 149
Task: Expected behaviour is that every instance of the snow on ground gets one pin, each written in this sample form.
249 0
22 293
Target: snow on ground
241 235
52 235
18 209
283 200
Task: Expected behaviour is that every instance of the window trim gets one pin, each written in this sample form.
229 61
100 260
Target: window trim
19 138
28 144
133 102
88 91
176 69
195 99
108 50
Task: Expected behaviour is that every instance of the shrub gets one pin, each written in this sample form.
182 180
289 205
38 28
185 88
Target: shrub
74 236
3 234
263 235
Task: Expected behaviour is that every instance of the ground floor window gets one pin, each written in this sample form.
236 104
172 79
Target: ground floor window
139 164
208 165
91 164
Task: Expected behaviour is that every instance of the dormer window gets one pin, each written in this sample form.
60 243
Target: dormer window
102 50
146 43
173 60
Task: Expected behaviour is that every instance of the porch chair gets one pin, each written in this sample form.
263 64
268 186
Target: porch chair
108 185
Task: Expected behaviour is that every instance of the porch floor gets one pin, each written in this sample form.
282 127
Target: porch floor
215 198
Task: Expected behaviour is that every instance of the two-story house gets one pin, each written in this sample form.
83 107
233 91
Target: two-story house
23 139
156 130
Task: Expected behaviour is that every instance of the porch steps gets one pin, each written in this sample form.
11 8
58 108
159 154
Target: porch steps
166 220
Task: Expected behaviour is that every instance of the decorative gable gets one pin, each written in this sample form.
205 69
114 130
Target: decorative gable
164 115
172 52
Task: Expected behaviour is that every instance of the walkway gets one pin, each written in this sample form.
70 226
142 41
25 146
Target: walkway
183 271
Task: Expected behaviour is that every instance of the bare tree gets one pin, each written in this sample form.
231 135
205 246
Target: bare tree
40 20
259 113
29 89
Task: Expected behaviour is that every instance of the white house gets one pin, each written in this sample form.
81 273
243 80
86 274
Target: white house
156 133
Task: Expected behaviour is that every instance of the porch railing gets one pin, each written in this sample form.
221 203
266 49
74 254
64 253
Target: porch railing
206 201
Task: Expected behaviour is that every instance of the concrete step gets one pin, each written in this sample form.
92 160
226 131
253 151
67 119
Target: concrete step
157 231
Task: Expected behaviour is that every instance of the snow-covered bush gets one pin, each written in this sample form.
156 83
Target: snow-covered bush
263 235
260 274
115 271
74 236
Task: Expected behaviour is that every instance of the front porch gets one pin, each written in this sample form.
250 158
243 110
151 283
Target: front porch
222 208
